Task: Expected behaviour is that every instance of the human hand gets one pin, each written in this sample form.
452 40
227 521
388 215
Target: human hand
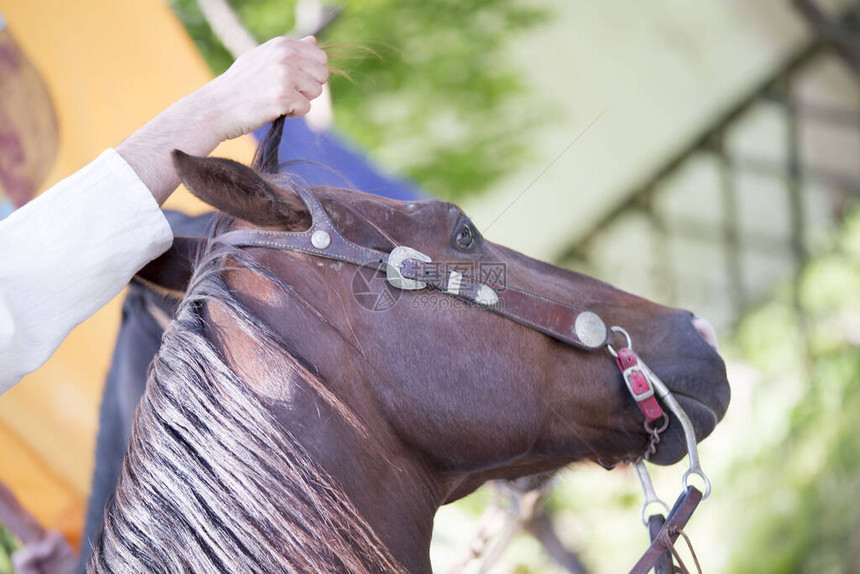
50 555
277 78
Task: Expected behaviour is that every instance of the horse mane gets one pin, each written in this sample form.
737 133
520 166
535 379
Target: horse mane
211 480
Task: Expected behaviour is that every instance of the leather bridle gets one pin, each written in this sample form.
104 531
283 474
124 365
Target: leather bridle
409 269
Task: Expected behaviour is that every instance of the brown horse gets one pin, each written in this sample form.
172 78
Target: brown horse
288 426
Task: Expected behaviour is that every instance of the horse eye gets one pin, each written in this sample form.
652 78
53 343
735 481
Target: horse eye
465 237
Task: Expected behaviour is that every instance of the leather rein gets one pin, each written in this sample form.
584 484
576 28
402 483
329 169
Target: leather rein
408 269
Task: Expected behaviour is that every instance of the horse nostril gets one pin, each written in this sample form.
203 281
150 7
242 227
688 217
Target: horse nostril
706 331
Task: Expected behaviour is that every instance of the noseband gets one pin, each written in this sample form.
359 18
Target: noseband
408 269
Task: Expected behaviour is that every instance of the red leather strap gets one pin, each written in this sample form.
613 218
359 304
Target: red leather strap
638 384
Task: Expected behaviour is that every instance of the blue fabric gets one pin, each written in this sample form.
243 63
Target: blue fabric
6 208
330 160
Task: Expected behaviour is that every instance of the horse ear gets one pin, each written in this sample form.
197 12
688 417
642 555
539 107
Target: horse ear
172 270
240 191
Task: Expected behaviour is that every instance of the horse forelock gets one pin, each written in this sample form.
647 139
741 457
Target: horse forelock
212 481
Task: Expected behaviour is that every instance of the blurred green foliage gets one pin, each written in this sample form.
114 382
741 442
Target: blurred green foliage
430 88
8 544
802 513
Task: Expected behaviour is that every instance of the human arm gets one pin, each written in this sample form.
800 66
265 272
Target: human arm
277 78
72 249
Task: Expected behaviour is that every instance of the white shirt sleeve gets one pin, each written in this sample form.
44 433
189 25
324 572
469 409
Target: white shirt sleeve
67 253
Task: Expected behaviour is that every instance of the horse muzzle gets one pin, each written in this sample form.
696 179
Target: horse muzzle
700 386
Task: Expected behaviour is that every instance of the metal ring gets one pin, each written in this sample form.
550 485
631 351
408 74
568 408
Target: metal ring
665 423
618 329
649 503
701 475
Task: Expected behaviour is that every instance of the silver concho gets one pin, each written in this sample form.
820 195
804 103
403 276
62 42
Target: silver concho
486 296
590 330
320 239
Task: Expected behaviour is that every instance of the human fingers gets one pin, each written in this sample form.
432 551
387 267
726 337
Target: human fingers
307 86
276 78
298 106
308 47
314 69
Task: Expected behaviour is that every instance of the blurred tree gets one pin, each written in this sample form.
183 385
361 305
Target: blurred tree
430 89
804 488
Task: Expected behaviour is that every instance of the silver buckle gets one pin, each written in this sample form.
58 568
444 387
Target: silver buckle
395 260
628 379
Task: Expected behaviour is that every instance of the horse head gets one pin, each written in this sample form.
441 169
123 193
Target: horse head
404 398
